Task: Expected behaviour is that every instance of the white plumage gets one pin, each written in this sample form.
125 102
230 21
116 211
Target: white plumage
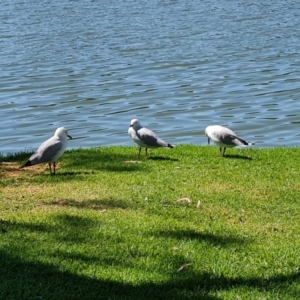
224 138
144 137
51 150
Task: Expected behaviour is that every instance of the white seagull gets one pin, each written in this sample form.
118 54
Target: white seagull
224 138
144 137
50 150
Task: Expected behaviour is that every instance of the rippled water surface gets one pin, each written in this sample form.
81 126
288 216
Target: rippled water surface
178 66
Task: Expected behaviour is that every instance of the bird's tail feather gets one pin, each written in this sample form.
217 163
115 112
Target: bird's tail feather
244 143
27 164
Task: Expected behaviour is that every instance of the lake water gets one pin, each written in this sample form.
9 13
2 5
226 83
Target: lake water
177 65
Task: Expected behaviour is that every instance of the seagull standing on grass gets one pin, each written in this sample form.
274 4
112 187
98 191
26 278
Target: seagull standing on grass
224 138
50 150
144 137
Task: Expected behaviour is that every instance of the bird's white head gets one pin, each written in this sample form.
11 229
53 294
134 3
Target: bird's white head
62 132
135 124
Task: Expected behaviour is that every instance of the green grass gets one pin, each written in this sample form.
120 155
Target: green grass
108 227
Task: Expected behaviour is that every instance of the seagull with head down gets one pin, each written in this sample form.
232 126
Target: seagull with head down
51 150
224 138
144 137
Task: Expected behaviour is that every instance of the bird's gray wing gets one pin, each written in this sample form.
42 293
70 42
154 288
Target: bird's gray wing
241 142
150 138
232 140
47 152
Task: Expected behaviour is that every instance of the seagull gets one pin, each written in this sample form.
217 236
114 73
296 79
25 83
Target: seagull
224 138
144 137
50 150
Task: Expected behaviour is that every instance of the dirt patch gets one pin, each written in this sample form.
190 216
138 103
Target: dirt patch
11 170
132 161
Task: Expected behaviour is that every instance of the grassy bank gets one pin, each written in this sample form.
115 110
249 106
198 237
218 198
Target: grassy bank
184 224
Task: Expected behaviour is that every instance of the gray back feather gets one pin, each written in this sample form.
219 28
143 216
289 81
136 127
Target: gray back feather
150 138
47 152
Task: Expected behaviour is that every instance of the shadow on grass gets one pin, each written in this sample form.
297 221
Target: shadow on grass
237 156
27 280
24 279
21 279
213 239
102 159
20 157
11 174
166 158
71 173
84 161
96 204
64 220
60 175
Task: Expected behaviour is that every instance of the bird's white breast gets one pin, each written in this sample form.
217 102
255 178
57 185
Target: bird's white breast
132 133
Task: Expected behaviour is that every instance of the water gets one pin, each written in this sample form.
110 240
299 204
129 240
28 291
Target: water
177 65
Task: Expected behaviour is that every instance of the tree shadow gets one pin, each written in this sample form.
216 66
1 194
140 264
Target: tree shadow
21 279
84 161
6 226
102 159
65 220
213 239
19 156
13 173
95 204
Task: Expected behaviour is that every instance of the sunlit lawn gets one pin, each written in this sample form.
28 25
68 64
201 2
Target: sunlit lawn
182 224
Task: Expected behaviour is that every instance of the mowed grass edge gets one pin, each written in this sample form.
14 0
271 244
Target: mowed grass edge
182 224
